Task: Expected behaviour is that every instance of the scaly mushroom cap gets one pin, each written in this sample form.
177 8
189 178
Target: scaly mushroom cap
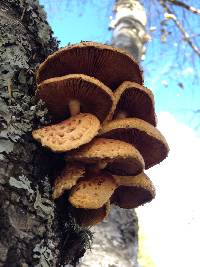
142 135
68 134
92 95
120 158
93 191
112 66
68 178
133 191
90 217
134 100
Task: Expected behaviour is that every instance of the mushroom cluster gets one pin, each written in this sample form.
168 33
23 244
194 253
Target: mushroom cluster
105 123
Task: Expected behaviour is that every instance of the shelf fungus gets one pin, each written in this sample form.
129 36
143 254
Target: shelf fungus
68 134
146 138
133 100
93 191
87 191
66 97
90 217
133 191
115 156
110 65
104 123
87 211
68 178
72 94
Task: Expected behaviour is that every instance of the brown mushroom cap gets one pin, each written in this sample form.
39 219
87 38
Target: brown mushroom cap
133 191
136 101
92 192
68 178
68 134
110 65
121 158
142 135
93 95
90 217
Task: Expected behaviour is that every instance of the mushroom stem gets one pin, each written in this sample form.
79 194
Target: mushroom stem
74 107
95 168
101 165
121 115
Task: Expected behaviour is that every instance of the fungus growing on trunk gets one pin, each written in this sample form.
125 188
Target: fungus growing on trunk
73 176
67 96
110 65
133 100
90 217
118 157
142 135
68 134
84 86
133 191
93 191
68 178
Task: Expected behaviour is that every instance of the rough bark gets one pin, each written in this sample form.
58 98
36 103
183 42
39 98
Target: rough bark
33 230
116 241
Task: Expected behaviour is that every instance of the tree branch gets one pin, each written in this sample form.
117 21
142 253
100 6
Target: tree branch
171 15
181 4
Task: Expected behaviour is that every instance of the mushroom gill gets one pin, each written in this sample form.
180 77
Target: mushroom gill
133 191
65 98
115 156
147 139
132 100
110 65
104 120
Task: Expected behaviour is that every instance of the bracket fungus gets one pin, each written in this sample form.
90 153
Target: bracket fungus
66 96
105 123
93 191
146 138
90 217
68 134
115 156
69 95
133 191
133 100
110 65
68 178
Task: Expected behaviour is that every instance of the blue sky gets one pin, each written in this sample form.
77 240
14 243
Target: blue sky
73 22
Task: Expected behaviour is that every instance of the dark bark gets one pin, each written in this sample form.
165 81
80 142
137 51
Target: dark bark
32 230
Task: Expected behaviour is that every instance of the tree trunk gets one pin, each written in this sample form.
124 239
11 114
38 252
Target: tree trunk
32 230
129 32
116 240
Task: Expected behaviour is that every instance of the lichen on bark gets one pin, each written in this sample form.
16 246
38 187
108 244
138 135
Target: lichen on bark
31 231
